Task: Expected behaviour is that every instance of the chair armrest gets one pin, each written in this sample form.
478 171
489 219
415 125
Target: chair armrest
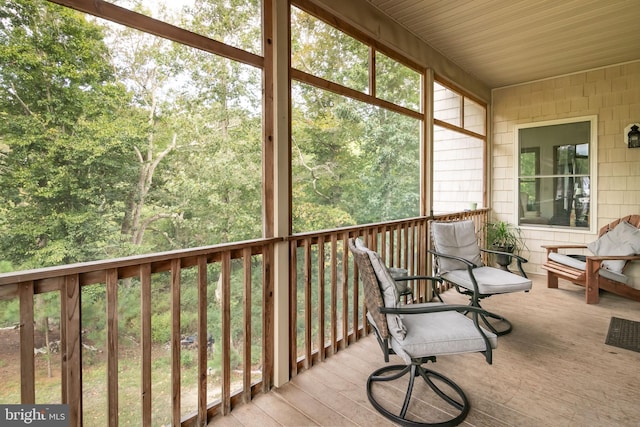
519 260
572 246
403 278
613 257
554 248
517 257
434 308
434 279
457 258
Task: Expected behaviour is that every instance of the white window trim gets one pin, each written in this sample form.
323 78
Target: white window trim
593 173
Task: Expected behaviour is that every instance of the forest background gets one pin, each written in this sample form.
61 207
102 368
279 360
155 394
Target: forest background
114 142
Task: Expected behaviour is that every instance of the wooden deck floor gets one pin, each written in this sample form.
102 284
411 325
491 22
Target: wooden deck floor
554 369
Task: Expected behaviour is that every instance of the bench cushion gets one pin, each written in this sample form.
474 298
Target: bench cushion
623 240
568 261
572 262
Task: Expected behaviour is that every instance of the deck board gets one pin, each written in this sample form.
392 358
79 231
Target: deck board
553 370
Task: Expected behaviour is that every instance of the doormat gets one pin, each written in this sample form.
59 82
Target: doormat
624 334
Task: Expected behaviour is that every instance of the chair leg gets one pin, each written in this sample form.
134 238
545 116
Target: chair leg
492 327
455 397
506 326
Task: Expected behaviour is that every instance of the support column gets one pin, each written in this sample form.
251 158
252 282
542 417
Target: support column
281 187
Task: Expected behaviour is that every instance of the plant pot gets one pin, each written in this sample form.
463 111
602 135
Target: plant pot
501 259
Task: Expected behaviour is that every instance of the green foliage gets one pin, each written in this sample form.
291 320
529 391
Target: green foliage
161 327
188 359
114 143
57 91
9 313
502 234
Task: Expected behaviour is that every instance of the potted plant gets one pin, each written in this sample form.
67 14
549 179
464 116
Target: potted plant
503 236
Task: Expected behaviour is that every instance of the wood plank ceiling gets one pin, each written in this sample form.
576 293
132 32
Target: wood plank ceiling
504 42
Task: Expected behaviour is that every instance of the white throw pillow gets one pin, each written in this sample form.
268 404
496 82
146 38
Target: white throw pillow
621 241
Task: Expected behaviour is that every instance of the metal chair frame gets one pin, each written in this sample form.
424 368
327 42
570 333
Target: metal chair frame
454 396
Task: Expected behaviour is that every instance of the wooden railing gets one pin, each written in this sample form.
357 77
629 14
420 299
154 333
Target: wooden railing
207 269
230 290
327 306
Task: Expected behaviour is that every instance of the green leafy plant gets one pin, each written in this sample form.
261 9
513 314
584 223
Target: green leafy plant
504 236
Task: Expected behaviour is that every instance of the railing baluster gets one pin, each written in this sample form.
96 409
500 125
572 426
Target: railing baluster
27 360
145 324
111 280
72 348
176 410
202 341
293 310
307 303
267 316
226 335
246 313
321 290
334 295
392 246
345 291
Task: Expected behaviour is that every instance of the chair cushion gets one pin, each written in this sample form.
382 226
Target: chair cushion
622 240
433 334
360 245
389 295
568 261
490 280
632 272
625 232
457 238
616 277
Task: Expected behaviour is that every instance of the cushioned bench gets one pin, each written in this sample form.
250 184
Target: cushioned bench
618 243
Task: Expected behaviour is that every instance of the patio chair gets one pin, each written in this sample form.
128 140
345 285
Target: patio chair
457 260
617 245
417 333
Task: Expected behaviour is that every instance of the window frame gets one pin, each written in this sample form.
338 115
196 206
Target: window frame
462 129
593 173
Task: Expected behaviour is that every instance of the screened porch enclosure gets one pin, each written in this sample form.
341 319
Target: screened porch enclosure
176 199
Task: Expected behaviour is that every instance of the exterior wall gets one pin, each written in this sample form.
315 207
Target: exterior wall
613 94
458 159
458 164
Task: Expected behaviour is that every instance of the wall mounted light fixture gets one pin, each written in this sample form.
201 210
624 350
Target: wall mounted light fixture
633 135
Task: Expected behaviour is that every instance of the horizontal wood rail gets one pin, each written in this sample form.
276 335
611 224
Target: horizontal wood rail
326 315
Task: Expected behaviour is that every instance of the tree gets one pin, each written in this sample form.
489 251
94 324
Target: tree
352 162
66 146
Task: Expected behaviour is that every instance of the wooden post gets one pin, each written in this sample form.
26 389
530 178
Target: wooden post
592 293
72 349
27 362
